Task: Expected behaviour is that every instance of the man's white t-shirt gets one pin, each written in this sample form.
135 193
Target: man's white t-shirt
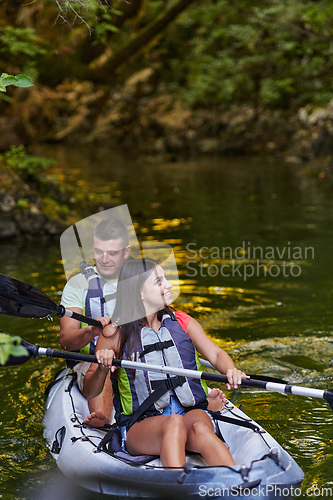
76 289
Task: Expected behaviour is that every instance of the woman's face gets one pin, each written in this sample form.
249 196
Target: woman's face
156 292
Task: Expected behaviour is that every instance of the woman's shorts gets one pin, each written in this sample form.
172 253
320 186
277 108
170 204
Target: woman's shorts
174 407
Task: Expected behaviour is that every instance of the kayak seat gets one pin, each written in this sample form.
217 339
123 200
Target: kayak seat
112 443
135 460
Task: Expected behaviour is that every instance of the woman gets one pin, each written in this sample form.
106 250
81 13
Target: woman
150 330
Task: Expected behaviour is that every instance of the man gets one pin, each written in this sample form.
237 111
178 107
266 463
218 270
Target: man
93 293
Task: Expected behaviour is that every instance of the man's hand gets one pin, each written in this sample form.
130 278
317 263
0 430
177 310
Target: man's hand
72 337
105 320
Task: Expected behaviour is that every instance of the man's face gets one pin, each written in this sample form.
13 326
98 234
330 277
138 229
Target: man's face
109 257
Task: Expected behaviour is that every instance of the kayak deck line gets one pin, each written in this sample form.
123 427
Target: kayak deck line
260 460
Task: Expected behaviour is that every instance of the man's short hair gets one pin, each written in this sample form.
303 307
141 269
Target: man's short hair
111 229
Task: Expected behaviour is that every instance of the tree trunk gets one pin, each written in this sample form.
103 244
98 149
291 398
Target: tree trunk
95 55
129 9
108 64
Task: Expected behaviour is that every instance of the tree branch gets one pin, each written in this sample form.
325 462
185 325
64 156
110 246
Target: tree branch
111 63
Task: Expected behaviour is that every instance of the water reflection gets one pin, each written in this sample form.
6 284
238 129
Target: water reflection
279 326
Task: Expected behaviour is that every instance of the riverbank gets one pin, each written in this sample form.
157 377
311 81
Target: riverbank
139 115
136 117
33 203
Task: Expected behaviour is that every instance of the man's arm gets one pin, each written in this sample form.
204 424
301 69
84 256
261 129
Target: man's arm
72 337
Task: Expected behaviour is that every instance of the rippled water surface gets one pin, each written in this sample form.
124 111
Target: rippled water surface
253 242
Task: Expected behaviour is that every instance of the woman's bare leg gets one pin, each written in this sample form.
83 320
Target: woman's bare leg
202 439
163 435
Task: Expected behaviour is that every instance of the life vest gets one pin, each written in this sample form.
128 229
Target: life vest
100 300
170 346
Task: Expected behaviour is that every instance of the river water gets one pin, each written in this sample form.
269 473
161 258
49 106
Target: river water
253 242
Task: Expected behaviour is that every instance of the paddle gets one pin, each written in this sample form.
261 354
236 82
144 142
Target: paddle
25 301
36 350
207 364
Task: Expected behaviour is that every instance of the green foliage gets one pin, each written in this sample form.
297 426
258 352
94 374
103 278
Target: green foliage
27 179
151 10
268 53
103 27
22 203
10 346
20 160
17 81
272 54
22 46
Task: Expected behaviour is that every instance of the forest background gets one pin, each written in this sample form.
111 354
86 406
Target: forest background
163 78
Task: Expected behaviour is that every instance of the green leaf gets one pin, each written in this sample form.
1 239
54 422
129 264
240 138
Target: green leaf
8 79
10 345
18 350
17 81
23 81
4 353
5 338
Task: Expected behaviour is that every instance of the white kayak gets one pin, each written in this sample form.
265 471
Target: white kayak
263 468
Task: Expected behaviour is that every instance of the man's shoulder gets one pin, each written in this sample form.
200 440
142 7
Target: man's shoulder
77 281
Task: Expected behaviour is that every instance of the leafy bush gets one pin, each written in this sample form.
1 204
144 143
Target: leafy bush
269 53
23 47
18 159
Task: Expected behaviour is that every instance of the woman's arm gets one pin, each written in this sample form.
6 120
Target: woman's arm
106 348
216 356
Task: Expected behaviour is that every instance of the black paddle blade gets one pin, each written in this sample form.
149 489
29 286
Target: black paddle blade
23 300
328 396
17 360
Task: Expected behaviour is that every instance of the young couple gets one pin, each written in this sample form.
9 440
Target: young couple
144 317
145 328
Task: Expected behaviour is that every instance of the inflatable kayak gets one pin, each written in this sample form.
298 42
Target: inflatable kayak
263 468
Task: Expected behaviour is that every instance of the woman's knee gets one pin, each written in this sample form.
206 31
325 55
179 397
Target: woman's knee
175 423
202 428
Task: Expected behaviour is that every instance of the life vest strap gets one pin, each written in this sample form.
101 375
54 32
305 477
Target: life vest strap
158 346
236 421
108 297
162 386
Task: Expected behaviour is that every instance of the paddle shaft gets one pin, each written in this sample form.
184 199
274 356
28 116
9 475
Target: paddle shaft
212 377
265 378
80 317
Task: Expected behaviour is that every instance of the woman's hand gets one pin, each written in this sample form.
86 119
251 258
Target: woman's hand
105 358
105 320
109 330
235 378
